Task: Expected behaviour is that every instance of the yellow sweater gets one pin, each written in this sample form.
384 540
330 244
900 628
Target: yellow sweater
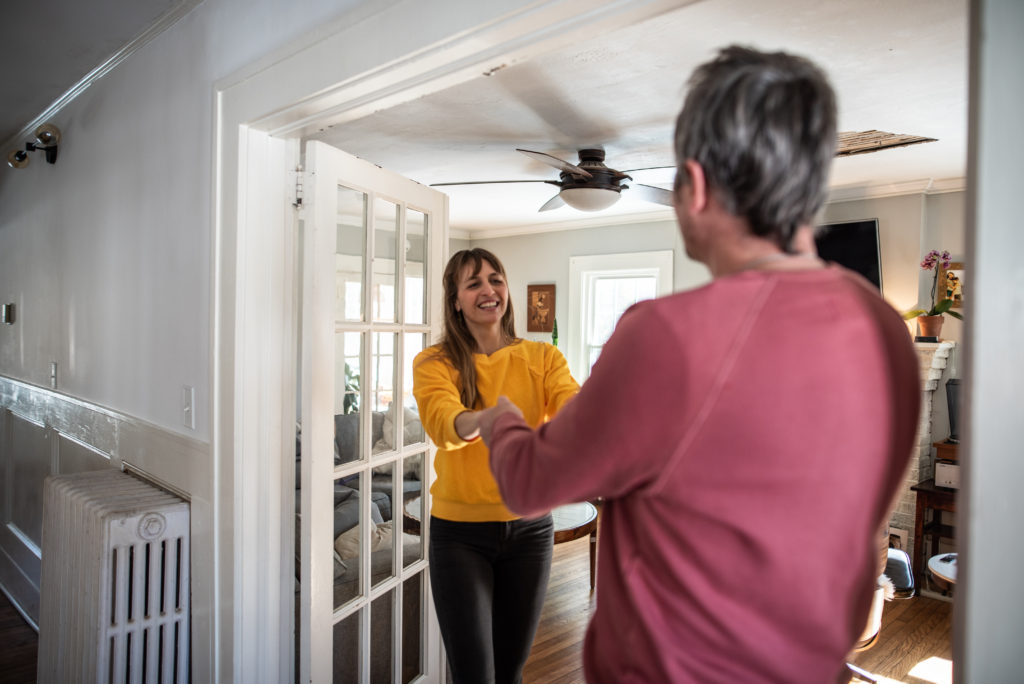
534 375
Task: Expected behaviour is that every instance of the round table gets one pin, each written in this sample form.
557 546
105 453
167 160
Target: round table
943 569
576 520
571 521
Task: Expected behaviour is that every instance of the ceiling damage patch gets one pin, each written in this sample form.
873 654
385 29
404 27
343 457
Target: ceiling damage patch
862 142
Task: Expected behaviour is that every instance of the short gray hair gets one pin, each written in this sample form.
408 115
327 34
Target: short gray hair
763 127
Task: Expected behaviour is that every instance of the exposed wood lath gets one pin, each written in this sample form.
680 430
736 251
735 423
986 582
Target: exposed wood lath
862 142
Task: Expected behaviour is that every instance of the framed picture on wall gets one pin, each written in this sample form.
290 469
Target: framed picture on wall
951 284
540 308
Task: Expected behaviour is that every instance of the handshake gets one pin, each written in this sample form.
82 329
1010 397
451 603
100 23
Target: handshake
472 424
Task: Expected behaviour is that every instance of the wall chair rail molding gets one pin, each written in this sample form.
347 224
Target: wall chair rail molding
44 433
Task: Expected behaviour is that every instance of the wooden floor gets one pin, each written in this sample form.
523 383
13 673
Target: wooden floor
18 644
913 631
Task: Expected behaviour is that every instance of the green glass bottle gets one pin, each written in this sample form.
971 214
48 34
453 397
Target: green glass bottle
554 332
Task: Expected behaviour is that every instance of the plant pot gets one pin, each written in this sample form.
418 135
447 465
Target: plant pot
930 326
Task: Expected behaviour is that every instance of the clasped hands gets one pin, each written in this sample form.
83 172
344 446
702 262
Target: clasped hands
472 424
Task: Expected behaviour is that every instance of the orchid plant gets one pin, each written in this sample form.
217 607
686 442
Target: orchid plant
931 262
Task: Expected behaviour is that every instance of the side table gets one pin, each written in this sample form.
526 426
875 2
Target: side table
576 520
936 499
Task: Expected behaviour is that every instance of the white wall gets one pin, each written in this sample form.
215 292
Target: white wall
107 253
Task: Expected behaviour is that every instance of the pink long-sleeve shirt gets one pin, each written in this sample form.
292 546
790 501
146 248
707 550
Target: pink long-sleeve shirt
748 438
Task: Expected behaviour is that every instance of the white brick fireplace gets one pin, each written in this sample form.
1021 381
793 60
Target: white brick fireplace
934 358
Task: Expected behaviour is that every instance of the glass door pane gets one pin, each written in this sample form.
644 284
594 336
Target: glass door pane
412 618
385 252
381 625
412 508
382 543
415 266
348 423
349 529
350 254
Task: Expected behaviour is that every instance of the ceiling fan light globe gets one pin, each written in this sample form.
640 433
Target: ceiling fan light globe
589 199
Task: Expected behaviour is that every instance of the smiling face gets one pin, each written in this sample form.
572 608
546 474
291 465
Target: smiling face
482 296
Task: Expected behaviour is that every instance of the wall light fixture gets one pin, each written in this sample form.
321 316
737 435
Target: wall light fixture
47 139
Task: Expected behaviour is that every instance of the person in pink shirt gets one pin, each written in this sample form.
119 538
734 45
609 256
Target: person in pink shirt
748 437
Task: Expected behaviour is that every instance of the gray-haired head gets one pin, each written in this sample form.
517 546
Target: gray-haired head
763 128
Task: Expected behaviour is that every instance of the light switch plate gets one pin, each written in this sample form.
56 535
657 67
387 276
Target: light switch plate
188 400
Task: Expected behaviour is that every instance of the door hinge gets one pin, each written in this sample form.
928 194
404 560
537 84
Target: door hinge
300 177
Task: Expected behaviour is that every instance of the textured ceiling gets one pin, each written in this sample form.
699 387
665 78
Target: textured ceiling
897 66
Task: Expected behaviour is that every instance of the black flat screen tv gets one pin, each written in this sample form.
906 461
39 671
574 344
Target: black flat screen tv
853 244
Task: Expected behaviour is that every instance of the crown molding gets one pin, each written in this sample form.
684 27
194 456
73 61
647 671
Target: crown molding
164 22
923 186
850 193
574 224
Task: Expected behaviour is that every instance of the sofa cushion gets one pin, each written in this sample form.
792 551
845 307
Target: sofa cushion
346 434
347 543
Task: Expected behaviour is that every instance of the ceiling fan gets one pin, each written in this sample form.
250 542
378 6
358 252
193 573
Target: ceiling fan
587 186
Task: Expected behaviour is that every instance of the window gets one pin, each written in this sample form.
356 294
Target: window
601 288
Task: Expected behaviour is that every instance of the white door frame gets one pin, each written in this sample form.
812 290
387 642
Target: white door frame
340 73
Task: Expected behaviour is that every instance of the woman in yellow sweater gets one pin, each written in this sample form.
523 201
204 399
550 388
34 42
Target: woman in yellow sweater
488 567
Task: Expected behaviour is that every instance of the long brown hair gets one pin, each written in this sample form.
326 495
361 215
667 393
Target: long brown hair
457 343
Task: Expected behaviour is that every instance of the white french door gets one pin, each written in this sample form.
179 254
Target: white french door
373 243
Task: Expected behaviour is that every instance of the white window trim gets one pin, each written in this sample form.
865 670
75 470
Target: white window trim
583 269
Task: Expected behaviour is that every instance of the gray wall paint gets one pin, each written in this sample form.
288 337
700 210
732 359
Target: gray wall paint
908 227
900 224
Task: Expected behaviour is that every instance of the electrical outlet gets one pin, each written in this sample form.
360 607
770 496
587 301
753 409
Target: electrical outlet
188 400
53 375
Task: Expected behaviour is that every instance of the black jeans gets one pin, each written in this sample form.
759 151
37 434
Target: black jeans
489 581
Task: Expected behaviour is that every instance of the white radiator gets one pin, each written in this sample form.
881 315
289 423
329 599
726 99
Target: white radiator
114 592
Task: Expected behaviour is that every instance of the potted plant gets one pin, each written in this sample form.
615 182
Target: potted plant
929 321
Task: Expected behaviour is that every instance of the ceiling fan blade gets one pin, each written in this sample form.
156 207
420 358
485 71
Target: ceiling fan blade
553 203
649 168
560 164
549 182
651 193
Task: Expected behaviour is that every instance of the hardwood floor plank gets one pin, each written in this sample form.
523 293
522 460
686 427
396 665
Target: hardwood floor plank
18 646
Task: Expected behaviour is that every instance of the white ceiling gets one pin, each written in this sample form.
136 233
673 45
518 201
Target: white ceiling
897 66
